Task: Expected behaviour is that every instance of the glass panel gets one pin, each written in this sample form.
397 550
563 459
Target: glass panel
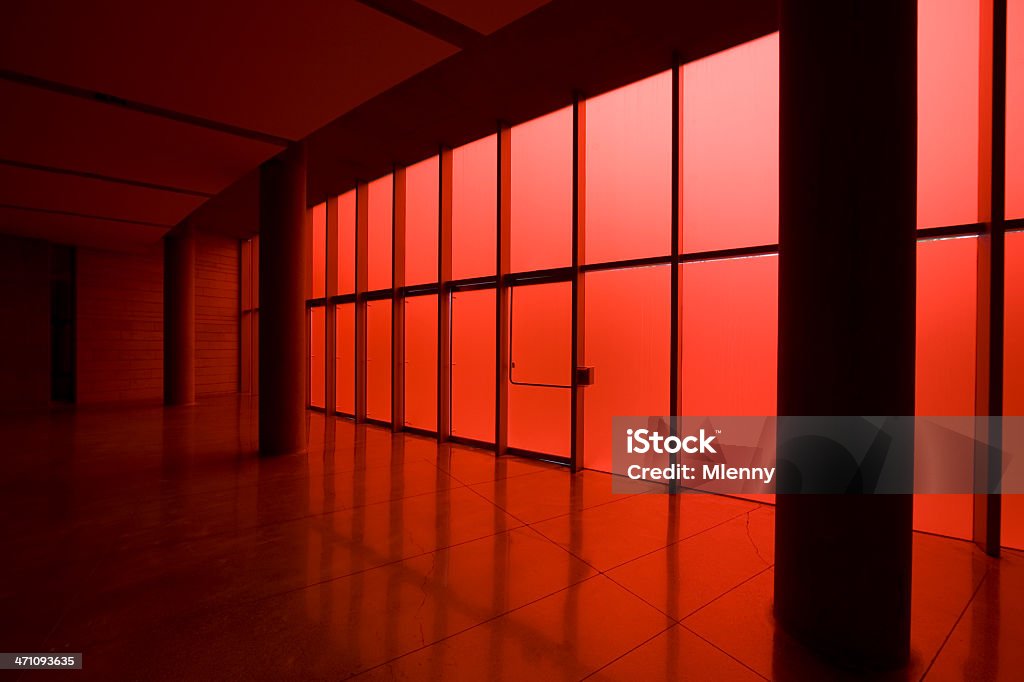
379 206
539 400
730 336
318 250
730 152
629 171
1013 376
541 319
421 222
1015 109
473 355
945 373
730 331
345 358
948 51
474 208
347 243
627 344
246 356
317 368
245 275
255 367
378 360
421 362
256 272
541 225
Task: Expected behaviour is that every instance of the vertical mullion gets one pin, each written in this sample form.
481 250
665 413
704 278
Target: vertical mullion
444 276
330 310
503 262
399 205
675 345
579 164
991 271
362 281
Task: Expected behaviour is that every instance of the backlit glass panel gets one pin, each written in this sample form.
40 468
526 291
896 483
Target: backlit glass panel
421 222
948 49
318 250
945 372
730 148
347 243
541 185
379 207
1015 109
729 328
421 362
539 395
474 208
1013 381
627 344
345 358
629 171
317 368
378 360
473 355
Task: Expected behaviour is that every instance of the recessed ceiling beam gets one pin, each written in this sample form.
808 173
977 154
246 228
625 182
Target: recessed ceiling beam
88 216
106 178
421 17
112 100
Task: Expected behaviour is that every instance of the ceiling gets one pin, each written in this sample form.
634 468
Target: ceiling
121 118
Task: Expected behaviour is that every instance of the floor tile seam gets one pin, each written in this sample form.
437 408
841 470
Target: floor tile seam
727 592
949 635
628 561
627 653
680 540
210 611
272 524
503 478
720 649
471 627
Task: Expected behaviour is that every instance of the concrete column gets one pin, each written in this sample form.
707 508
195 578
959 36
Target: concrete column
180 316
847 310
282 266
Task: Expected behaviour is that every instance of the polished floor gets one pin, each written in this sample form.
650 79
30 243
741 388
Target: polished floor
156 542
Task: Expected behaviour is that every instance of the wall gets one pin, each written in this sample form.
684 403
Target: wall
217 312
25 316
120 326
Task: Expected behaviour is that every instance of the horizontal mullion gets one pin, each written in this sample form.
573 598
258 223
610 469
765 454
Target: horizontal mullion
631 263
342 299
471 283
419 290
378 295
538 277
950 231
721 254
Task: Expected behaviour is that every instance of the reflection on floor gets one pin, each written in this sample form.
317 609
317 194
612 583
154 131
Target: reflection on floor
158 544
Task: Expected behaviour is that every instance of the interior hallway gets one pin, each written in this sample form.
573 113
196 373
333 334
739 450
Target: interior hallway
158 543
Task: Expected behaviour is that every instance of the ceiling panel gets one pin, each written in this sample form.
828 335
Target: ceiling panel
72 194
49 129
485 16
87 232
283 68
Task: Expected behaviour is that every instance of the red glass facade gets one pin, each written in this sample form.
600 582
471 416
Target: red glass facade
727 262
